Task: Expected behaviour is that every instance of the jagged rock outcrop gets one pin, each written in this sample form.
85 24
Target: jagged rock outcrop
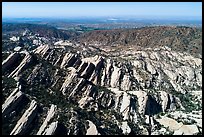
84 101
10 60
78 87
68 60
71 78
92 130
102 90
126 83
99 64
168 101
142 100
26 119
50 115
126 129
31 78
187 130
114 81
88 71
178 127
42 50
22 66
12 102
51 129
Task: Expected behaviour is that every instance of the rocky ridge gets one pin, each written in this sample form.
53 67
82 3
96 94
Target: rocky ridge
82 93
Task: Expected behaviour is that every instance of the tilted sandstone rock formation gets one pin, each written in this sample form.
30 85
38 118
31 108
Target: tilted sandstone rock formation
25 62
25 120
50 115
102 90
12 102
92 130
10 60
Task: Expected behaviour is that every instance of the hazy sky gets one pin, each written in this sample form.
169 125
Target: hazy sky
87 9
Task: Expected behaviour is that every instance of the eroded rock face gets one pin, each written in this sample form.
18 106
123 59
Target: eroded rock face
42 50
78 87
50 115
85 100
178 128
99 64
10 60
68 60
68 81
130 85
126 129
187 130
22 66
12 102
88 71
142 100
168 101
51 129
114 82
92 130
171 123
25 120
126 83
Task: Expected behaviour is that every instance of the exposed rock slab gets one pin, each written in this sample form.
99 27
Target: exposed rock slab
24 63
187 130
50 115
25 120
171 123
126 129
11 59
51 129
92 130
12 102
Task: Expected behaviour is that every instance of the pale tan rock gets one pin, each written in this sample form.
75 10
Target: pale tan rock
68 81
92 130
108 71
169 122
88 70
25 120
17 49
126 83
11 59
187 130
12 102
42 50
98 67
84 100
143 130
68 60
126 129
164 98
142 100
103 78
24 63
51 129
50 115
115 77
125 104
78 87
150 67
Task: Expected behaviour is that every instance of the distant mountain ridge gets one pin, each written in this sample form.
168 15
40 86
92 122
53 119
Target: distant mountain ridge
42 30
178 38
